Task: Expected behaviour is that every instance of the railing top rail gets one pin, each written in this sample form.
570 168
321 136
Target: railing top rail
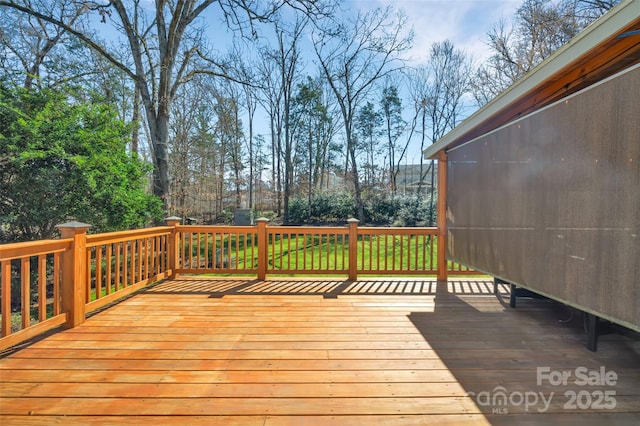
33 248
118 236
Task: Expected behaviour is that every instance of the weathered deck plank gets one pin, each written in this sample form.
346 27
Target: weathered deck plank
180 354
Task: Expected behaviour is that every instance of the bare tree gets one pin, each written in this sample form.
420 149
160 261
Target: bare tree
437 91
193 151
229 132
284 62
589 10
313 132
249 101
394 127
450 73
37 49
166 50
539 28
368 129
271 100
354 55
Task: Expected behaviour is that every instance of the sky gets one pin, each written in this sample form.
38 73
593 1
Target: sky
464 22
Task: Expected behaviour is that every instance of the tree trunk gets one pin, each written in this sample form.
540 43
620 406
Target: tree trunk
135 119
356 187
161 161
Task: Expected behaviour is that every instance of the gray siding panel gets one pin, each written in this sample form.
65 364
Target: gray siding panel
552 201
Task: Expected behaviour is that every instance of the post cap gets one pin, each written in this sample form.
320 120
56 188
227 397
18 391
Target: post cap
74 224
352 220
262 219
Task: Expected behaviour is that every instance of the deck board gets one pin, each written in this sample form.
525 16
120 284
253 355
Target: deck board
185 352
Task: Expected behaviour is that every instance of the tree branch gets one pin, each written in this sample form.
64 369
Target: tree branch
97 47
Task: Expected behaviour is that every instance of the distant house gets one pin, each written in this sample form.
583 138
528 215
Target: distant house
410 177
541 187
331 180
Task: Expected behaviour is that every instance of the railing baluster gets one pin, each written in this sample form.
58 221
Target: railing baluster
229 242
149 258
98 271
116 284
342 251
149 253
304 248
377 257
155 267
253 248
135 248
288 254
87 276
125 263
416 250
140 248
403 238
5 282
164 249
42 287
386 250
423 248
199 250
143 255
237 251
159 250
159 253
394 251
109 262
273 248
206 249
56 283
25 266
327 250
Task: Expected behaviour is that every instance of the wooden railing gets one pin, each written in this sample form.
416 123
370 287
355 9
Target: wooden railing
53 283
397 251
31 277
216 250
120 263
306 250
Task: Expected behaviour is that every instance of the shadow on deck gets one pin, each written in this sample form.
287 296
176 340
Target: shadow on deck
328 288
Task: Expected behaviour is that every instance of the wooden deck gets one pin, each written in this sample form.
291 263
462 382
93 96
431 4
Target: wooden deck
195 351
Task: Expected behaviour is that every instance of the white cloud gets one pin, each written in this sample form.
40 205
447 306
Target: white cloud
464 22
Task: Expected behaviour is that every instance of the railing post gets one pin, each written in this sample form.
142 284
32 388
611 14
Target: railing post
353 249
172 256
442 216
74 273
263 249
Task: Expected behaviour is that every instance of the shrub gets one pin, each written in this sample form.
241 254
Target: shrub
332 207
380 209
413 211
298 210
